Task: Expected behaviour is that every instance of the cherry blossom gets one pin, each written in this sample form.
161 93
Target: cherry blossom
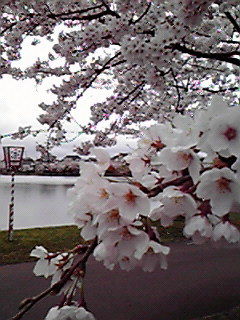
69 313
119 245
154 254
173 204
139 164
103 158
221 187
199 229
131 201
226 230
178 158
225 133
46 265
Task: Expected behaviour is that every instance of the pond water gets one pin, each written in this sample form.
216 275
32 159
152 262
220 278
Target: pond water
39 201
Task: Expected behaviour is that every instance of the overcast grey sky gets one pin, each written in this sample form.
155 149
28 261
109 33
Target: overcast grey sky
19 108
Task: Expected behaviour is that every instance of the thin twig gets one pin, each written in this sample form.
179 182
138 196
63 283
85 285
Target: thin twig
96 75
131 92
233 21
178 91
28 303
143 14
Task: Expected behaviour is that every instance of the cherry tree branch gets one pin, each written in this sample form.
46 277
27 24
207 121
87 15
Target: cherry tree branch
28 303
176 182
219 90
70 15
131 92
233 21
76 15
224 56
97 73
143 14
185 88
178 91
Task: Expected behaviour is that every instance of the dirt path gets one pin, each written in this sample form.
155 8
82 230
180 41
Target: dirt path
200 280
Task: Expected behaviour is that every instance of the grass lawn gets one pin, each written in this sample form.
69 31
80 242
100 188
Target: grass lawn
63 238
56 239
53 239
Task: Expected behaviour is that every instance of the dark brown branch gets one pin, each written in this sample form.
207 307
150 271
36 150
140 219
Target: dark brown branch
69 13
220 90
185 88
225 56
10 26
136 96
223 41
89 17
205 67
233 21
76 15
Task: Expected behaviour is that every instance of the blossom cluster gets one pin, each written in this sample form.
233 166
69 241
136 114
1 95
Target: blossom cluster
187 168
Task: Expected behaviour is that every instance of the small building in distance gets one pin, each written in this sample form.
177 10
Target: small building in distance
28 165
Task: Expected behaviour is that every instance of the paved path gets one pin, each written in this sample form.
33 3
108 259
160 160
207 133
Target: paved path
200 280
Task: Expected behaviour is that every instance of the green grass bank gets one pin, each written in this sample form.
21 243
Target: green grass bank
56 239
53 239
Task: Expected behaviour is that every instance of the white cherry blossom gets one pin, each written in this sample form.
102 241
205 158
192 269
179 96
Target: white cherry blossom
178 158
188 132
69 313
198 228
119 246
225 133
156 136
227 231
174 203
130 201
154 254
139 164
46 265
103 159
221 187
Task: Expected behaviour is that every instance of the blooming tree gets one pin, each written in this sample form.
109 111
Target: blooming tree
156 56
163 60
